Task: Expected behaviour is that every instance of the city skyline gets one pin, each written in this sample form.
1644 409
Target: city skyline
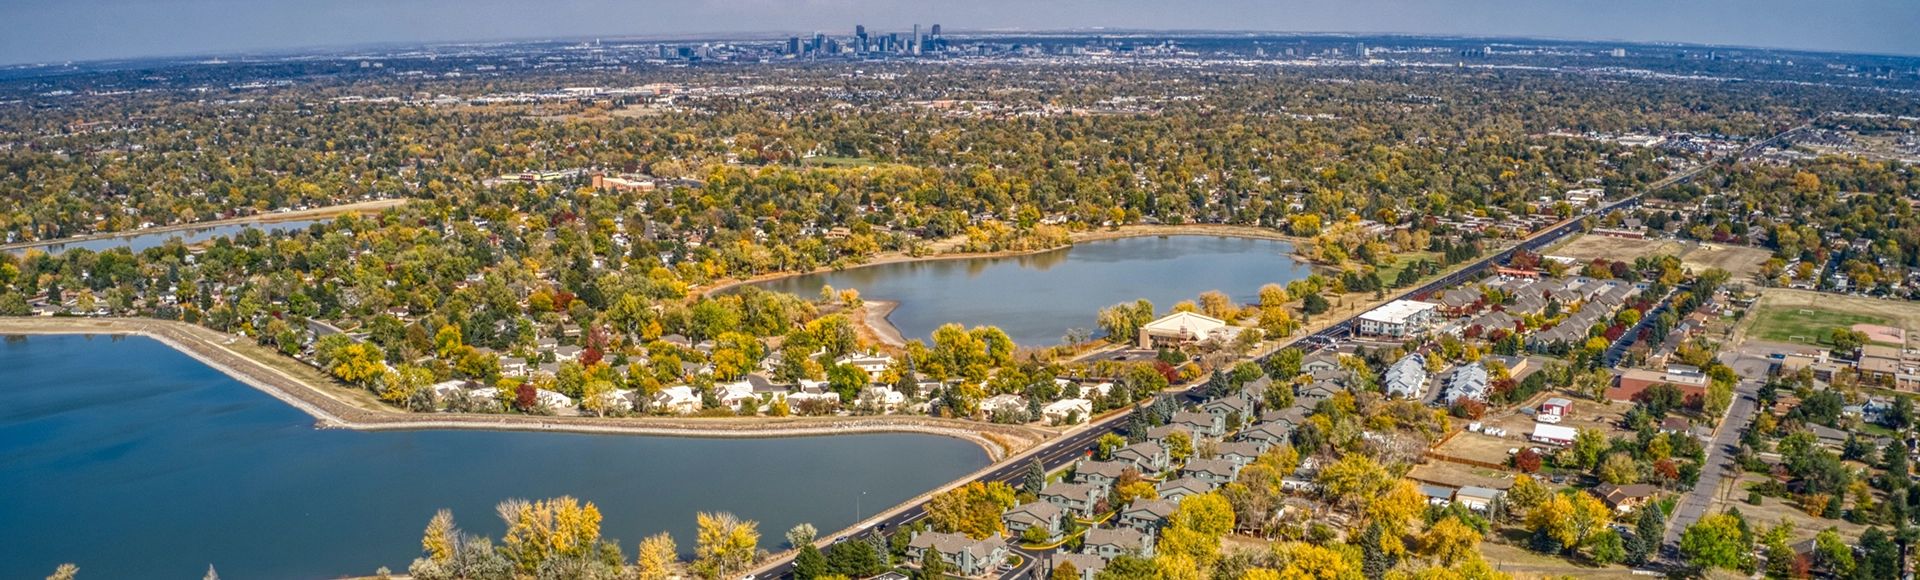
113 29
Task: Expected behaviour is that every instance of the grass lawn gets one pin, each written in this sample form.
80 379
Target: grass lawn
1401 261
1802 325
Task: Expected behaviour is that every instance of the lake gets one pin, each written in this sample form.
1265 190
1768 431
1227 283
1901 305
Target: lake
135 461
138 241
1037 298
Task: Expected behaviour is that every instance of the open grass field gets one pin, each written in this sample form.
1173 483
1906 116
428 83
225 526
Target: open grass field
1733 494
1805 317
1401 261
1587 248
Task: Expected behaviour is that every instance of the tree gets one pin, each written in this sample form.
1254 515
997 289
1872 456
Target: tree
801 535
809 564
933 566
1607 548
1036 479
1179 445
1126 494
1314 304
726 545
658 555
562 527
1065 571
853 559
1716 541
1107 444
1587 445
1196 526
1619 469
66 572
1353 478
1450 541
1833 554
1401 502
973 509
1846 341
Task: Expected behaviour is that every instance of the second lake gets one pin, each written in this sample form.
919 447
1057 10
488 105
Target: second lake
1037 298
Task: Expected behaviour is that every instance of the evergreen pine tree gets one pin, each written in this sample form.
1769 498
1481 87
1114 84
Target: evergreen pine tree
1374 560
1652 526
1636 549
1137 425
809 564
1036 478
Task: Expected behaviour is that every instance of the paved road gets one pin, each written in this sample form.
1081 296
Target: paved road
1719 464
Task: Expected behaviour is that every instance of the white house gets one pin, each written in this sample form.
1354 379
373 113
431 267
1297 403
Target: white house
553 399
873 363
442 390
1407 378
616 399
882 397
680 399
1398 318
733 394
998 402
1057 411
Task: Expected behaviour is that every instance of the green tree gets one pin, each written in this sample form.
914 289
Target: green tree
1036 478
1716 541
809 564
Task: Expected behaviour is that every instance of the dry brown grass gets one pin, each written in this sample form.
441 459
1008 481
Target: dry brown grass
1740 261
1587 248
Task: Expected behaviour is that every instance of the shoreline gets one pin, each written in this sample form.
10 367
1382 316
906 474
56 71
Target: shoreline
1225 231
331 412
268 218
877 321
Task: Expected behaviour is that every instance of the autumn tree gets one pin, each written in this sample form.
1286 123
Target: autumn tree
726 545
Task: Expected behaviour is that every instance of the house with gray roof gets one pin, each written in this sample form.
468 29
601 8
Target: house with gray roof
1148 515
1266 434
1178 488
1241 453
1100 473
965 555
1035 514
1110 543
1468 382
1080 499
1203 424
1146 456
1407 378
1218 472
1160 434
1089 565
1229 406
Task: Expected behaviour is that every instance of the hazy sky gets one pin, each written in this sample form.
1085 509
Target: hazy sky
58 30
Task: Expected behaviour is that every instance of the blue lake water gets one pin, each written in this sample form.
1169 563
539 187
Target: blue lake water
138 242
1037 298
135 461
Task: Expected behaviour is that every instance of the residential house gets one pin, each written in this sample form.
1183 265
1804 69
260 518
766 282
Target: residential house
967 556
1476 498
1160 434
1241 453
1407 378
1624 498
1100 473
1205 425
1088 565
1266 434
1218 472
1230 407
1110 543
875 364
1148 457
1035 514
1468 383
681 399
1320 361
1148 515
1175 489
1080 499
1059 412
1436 495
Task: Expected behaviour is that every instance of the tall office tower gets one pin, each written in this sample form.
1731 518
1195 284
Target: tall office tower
916 39
819 42
793 45
1360 48
936 31
860 37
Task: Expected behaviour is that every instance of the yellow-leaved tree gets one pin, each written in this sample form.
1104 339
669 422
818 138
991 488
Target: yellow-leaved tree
656 558
726 545
561 526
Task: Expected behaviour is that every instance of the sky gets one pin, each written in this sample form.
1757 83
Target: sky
39 31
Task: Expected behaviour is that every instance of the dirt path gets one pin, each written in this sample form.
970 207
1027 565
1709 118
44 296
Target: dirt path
339 407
